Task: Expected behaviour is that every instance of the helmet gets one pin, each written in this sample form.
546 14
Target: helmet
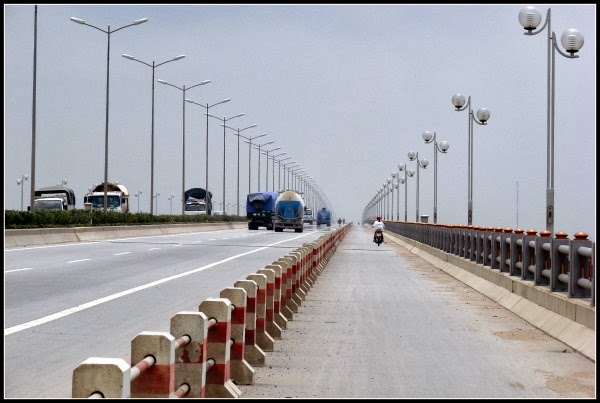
378 218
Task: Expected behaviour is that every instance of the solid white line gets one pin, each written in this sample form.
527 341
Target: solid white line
122 253
23 269
76 261
154 249
91 304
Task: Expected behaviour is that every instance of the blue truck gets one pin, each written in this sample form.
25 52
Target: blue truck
324 217
260 208
289 212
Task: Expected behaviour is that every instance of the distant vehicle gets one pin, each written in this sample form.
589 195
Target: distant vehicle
195 206
289 212
117 197
308 216
260 208
324 217
54 198
196 201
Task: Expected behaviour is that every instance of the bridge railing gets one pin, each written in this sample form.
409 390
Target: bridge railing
207 353
559 263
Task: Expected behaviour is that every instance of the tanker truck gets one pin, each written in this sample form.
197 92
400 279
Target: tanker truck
289 212
117 197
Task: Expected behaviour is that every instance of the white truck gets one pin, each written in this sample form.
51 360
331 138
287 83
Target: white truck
54 198
117 197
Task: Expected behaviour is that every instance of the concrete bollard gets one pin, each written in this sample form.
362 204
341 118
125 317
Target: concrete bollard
270 326
290 306
263 339
278 317
252 352
190 359
300 290
218 378
108 376
158 380
241 371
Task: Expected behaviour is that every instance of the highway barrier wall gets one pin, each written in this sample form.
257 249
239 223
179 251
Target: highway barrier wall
48 236
210 351
549 282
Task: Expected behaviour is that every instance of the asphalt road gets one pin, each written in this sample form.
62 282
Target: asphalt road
383 323
68 302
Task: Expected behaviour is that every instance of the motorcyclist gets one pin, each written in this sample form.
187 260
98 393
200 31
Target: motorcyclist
378 224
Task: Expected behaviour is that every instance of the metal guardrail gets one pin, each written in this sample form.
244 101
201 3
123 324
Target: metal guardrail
562 264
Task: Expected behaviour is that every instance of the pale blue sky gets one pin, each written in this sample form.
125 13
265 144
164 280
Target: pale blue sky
345 90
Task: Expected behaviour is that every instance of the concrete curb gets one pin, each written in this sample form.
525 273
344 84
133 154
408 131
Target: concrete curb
570 320
15 238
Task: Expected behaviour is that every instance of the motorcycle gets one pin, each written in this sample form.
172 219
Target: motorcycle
378 239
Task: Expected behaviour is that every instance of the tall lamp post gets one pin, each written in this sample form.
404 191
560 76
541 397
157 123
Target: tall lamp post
171 202
402 168
153 66
258 175
572 41
390 188
156 197
267 167
420 164
279 172
286 176
137 195
107 32
483 115
183 89
21 182
273 158
250 157
443 147
225 119
395 185
238 162
207 107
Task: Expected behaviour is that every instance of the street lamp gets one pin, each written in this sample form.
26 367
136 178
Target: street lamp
285 176
225 119
107 32
171 200
395 185
443 147
137 195
20 182
156 197
259 146
183 89
207 107
238 163
420 164
250 156
483 115
410 172
390 188
279 171
267 168
152 66
572 41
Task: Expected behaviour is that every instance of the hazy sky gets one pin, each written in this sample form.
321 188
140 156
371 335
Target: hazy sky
345 90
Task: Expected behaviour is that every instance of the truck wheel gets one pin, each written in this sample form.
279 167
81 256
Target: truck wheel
278 229
269 227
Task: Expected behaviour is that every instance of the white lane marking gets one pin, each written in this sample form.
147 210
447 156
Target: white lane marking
197 241
122 253
23 269
154 249
91 304
77 261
